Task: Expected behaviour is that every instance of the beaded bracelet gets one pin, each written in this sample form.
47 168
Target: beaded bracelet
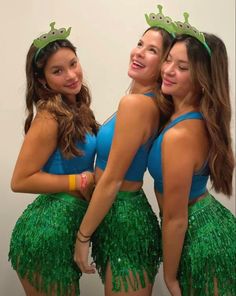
84 181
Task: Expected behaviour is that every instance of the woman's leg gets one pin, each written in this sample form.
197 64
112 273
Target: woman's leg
32 291
147 291
29 289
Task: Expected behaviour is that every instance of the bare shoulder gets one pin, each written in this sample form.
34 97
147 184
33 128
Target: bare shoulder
179 136
139 113
139 103
44 125
44 115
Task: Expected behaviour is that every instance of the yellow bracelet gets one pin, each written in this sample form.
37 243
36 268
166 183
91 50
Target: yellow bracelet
72 183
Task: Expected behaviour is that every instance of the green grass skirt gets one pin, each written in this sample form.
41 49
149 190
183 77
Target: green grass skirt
42 243
209 250
129 238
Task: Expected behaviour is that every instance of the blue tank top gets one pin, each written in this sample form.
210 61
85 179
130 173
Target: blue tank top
58 165
105 136
200 178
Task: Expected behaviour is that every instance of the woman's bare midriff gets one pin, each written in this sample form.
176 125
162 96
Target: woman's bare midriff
125 186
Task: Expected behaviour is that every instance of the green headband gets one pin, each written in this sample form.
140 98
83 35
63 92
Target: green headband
187 29
161 21
174 28
52 35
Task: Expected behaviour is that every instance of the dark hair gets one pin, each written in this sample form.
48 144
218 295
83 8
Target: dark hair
211 82
73 122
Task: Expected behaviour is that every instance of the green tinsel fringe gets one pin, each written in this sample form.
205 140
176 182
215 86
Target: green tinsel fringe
42 243
209 251
129 238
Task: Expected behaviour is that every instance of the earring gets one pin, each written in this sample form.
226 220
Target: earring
45 86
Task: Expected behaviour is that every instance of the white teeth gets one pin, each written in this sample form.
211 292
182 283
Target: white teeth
138 64
72 84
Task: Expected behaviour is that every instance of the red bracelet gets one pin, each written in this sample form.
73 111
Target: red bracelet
84 181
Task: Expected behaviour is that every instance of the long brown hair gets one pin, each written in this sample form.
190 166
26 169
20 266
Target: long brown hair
211 81
73 122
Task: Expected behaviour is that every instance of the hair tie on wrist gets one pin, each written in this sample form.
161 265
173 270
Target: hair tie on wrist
82 241
85 236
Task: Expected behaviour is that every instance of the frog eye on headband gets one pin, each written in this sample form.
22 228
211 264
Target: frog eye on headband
161 21
184 28
53 35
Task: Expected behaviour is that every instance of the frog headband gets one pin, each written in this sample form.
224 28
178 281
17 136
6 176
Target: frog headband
174 28
161 21
187 29
52 35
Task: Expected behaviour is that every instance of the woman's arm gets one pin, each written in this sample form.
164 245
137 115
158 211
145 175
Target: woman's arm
178 163
133 128
39 143
134 125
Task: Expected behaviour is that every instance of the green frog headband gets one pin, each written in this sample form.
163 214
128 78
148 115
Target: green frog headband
187 29
175 28
161 21
53 35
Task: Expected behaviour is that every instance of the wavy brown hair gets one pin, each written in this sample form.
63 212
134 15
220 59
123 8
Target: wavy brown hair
211 82
73 121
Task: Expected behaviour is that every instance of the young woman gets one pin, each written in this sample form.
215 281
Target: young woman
126 245
199 247
56 161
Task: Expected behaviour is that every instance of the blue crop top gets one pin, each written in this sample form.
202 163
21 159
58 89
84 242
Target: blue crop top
104 140
58 165
199 179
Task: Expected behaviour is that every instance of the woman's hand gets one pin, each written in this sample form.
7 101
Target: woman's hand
86 184
81 255
174 288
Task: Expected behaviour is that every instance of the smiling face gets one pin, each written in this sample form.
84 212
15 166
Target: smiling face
63 73
176 75
145 58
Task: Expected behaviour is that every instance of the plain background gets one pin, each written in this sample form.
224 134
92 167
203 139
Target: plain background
104 32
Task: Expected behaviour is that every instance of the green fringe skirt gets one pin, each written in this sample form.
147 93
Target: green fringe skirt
42 243
209 252
129 239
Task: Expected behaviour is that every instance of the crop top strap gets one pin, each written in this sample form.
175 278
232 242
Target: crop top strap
150 94
189 115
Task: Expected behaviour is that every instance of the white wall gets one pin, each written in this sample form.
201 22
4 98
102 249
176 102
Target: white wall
104 32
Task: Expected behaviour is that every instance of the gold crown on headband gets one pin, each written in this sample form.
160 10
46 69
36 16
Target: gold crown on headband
161 21
52 35
187 29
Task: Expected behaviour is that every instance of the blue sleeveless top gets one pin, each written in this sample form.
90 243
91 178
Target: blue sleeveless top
58 165
104 140
200 178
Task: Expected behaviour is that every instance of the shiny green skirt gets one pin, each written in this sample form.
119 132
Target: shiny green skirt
129 239
209 254
42 243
